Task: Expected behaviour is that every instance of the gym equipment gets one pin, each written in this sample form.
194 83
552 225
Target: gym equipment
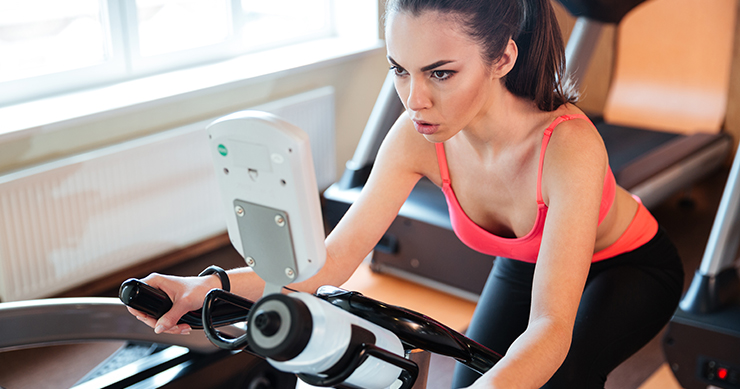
283 325
420 245
268 161
161 361
335 338
266 175
155 303
702 342
364 343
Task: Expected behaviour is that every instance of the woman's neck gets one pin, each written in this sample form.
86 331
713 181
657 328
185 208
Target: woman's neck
507 121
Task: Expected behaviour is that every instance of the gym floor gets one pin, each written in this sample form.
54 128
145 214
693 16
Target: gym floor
687 217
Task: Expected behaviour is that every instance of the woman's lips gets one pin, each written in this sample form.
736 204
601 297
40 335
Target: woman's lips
425 128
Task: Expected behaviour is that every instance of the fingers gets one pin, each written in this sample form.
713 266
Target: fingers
135 312
178 329
168 321
142 317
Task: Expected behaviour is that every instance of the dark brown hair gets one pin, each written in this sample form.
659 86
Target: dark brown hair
538 73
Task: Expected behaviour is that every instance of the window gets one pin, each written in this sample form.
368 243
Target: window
167 26
283 21
49 47
55 37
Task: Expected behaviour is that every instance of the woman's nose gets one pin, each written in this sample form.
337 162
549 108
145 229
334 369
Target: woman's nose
418 98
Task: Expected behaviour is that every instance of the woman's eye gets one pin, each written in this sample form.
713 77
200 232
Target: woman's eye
398 71
441 74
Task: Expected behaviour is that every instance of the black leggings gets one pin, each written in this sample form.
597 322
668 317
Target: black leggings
626 302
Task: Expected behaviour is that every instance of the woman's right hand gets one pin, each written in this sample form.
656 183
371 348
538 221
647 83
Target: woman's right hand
186 293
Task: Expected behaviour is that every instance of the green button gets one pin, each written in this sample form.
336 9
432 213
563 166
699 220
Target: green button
222 150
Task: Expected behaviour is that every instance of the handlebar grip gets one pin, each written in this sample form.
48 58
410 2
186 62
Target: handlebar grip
154 302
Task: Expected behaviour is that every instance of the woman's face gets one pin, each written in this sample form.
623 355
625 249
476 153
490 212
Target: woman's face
439 73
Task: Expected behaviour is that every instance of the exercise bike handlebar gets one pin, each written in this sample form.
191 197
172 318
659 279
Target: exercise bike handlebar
155 303
414 329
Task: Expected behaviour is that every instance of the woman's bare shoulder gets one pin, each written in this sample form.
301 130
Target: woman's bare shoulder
578 132
575 151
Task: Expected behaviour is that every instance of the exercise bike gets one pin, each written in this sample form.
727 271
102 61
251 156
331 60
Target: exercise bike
333 338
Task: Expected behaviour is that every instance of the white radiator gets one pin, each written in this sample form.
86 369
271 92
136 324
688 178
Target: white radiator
71 221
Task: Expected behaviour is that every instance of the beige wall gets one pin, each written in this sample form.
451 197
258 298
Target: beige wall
732 122
598 77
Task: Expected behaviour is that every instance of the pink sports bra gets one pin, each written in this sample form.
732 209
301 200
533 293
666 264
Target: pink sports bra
525 248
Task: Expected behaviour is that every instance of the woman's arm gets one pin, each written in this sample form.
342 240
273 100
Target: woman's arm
573 177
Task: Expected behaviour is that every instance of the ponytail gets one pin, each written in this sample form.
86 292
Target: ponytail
538 73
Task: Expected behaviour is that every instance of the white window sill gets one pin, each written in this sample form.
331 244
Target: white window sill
65 111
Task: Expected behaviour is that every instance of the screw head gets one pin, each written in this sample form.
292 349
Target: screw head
289 272
280 220
250 261
239 211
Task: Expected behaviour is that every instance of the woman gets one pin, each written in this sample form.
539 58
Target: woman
585 277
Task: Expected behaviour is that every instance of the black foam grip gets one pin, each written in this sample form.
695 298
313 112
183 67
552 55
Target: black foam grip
155 303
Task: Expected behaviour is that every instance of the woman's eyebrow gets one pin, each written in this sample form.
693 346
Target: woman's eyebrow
425 68
393 61
436 65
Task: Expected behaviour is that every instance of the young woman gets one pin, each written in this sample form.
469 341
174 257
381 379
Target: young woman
584 275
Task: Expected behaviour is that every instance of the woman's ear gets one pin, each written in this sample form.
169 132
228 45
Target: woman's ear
506 62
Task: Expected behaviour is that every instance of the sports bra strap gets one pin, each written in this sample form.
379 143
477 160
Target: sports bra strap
445 173
545 141
442 162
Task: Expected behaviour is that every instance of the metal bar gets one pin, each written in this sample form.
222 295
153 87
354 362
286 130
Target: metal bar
682 174
422 359
45 322
580 48
724 238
